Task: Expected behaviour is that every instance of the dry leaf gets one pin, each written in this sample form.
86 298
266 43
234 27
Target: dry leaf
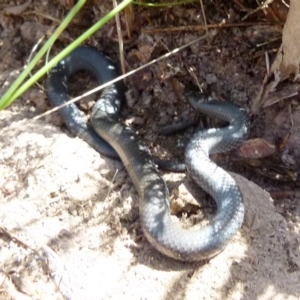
287 62
17 9
255 149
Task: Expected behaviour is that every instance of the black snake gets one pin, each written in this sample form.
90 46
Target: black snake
108 132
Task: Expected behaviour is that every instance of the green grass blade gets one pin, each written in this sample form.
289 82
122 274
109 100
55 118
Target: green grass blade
7 97
4 102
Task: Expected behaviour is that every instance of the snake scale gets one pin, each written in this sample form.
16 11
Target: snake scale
111 137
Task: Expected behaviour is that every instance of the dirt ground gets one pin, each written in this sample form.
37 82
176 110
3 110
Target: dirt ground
69 220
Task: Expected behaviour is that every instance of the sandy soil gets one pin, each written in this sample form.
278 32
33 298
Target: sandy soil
69 222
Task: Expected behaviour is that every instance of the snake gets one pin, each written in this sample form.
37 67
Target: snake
108 134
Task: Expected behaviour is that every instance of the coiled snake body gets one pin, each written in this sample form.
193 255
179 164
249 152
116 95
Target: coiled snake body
165 235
